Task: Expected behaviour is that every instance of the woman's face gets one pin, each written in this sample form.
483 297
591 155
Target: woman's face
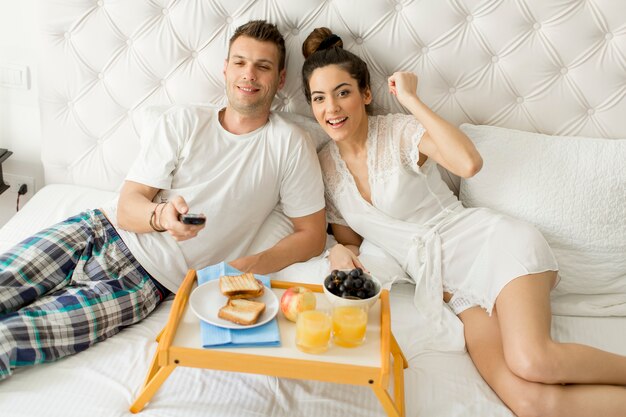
337 103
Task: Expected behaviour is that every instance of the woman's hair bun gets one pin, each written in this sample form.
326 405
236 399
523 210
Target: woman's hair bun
320 39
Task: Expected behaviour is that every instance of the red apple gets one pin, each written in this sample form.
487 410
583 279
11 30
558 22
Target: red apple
295 300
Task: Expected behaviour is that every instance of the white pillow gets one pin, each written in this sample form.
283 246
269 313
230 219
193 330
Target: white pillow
573 190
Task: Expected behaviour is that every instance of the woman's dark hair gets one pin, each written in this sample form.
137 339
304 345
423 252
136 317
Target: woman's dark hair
322 48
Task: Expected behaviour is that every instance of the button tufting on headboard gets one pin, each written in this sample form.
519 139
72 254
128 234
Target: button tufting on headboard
555 67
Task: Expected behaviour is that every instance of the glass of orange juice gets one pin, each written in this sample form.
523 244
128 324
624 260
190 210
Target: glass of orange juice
349 325
313 331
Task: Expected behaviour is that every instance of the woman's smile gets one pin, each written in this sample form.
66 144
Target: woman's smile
336 123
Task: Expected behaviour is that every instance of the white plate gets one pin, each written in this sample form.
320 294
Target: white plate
207 299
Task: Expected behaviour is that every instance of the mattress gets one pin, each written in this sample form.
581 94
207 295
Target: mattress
104 380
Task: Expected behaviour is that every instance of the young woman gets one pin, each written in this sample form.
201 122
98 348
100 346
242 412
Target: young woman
495 272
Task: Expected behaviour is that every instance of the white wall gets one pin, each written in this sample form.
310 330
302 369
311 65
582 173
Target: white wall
19 109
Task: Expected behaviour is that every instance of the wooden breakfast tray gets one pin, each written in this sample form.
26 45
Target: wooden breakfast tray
369 364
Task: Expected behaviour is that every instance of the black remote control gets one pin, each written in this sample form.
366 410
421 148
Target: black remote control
191 218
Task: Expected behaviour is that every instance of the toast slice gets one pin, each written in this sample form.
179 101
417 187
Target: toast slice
241 286
241 311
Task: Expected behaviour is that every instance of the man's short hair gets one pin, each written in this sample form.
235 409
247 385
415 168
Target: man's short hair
264 32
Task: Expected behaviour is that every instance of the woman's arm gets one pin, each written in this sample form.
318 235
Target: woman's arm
344 255
442 142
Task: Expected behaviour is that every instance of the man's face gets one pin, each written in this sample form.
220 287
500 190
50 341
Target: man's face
251 75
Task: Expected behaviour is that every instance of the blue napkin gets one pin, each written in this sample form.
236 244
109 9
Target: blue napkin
213 336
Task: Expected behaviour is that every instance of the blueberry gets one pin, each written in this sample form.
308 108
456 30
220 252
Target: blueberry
357 283
342 288
361 294
355 273
369 285
349 283
341 275
359 270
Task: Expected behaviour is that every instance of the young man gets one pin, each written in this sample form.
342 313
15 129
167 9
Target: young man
82 280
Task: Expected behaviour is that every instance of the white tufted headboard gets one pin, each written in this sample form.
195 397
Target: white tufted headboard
551 66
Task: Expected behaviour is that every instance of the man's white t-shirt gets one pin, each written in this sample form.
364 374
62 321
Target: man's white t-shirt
235 180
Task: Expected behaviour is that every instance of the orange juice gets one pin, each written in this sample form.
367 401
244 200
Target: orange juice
313 331
349 324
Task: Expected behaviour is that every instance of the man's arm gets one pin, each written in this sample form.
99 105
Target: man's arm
135 208
307 240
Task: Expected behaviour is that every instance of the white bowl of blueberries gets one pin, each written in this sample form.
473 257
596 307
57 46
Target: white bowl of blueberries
351 287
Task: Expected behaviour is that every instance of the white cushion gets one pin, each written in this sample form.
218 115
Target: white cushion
573 190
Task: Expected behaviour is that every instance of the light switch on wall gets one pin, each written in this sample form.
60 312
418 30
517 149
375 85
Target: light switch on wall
14 76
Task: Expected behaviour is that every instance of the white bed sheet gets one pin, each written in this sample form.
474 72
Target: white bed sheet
104 380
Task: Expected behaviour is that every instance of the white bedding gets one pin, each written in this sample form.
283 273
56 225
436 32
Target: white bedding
104 380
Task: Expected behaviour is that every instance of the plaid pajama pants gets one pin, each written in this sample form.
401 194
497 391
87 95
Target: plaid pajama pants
66 288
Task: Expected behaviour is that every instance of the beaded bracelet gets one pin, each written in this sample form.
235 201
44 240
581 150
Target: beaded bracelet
153 218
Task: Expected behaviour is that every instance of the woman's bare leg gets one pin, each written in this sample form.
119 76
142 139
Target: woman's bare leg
529 399
524 317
